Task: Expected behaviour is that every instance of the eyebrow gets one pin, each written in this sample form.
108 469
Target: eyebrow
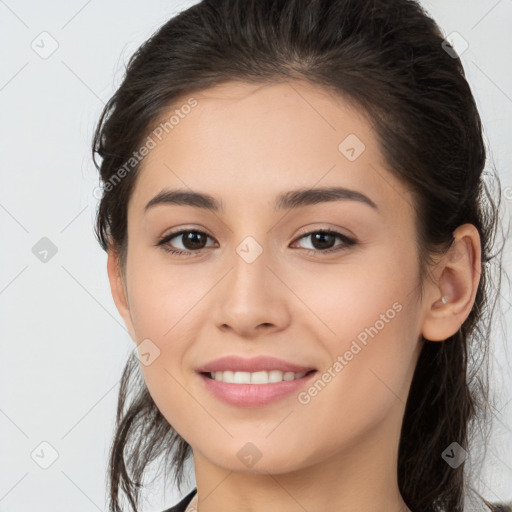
286 201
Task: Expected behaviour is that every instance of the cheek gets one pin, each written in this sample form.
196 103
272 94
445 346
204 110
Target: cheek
165 304
160 295
370 330
157 324
367 378
349 297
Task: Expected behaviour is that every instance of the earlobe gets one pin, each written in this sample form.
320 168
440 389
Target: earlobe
451 299
118 290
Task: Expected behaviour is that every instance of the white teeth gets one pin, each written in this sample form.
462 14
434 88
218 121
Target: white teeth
262 377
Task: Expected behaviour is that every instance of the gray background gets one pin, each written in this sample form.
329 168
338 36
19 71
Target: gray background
63 343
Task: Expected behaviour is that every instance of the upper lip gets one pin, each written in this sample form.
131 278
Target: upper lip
253 364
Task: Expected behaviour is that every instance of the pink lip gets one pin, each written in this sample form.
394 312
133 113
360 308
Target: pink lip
253 395
253 364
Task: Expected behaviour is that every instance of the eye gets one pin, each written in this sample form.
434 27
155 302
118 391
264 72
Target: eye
194 241
322 240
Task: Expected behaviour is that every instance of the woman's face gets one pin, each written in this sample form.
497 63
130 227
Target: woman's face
260 282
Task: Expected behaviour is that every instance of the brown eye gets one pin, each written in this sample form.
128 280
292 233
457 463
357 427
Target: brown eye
323 241
191 240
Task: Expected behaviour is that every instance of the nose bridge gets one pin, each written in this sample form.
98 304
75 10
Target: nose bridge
251 247
249 296
249 275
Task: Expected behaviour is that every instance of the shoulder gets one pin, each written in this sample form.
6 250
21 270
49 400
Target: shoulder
182 505
499 507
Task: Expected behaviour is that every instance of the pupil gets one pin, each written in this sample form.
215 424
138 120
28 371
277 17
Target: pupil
191 240
319 236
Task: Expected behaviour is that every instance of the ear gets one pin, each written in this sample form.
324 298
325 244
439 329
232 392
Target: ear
119 290
457 276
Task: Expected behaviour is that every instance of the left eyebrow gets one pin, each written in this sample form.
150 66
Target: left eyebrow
286 201
309 196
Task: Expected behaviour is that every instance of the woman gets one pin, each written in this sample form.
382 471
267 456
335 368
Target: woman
298 242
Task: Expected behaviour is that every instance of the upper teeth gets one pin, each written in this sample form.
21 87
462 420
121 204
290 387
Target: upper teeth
262 377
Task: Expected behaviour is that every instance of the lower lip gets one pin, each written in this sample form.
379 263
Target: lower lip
253 395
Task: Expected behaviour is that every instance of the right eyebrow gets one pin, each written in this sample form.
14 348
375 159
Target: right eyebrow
186 198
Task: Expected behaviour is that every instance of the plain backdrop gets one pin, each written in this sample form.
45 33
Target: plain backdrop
63 344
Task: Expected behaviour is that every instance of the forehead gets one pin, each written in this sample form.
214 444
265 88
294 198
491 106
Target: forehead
246 142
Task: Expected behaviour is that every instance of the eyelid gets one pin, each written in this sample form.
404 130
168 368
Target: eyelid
184 229
307 230
180 231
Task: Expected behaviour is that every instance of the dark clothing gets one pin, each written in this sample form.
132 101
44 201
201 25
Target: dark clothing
182 505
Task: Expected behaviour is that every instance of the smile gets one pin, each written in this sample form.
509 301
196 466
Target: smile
260 377
254 389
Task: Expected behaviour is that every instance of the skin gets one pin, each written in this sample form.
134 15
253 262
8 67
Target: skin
245 144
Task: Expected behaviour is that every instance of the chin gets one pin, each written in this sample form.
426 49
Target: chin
254 457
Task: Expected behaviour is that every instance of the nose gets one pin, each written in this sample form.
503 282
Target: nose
251 298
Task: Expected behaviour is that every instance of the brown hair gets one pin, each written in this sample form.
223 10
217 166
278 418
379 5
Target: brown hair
389 58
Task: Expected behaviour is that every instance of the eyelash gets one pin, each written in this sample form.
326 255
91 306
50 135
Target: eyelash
347 242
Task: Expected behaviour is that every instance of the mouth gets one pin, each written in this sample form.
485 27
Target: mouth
254 389
259 377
